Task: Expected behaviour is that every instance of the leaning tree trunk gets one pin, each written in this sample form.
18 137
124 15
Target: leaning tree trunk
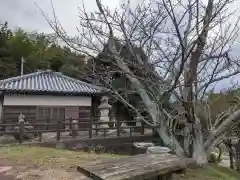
156 115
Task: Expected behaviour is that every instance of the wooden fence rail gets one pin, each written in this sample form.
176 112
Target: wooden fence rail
76 126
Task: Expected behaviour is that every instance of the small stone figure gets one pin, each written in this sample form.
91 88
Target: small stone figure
27 127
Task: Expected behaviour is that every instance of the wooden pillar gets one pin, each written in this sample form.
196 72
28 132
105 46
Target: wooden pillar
90 128
228 144
118 127
142 127
67 123
40 136
130 131
94 106
230 153
58 129
1 110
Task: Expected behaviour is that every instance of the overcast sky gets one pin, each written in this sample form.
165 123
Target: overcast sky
25 14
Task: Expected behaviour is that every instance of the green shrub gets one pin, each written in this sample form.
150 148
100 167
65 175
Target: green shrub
213 158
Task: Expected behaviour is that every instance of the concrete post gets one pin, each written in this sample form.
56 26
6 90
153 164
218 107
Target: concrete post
138 123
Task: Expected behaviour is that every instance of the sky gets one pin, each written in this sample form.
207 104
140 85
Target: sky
25 14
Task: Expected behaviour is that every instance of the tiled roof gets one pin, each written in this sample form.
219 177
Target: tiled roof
47 81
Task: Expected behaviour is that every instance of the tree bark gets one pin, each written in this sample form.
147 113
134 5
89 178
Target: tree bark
218 133
198 150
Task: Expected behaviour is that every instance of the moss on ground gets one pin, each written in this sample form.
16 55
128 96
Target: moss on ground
64 159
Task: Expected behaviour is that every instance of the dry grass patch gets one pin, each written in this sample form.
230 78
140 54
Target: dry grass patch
40 163
50 157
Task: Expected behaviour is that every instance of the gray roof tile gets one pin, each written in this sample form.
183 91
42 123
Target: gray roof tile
48 81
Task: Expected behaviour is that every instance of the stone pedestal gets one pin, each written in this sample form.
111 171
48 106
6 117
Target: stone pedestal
74 128
104 109
138 125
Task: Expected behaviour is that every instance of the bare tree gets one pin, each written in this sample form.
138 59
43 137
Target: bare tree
188 48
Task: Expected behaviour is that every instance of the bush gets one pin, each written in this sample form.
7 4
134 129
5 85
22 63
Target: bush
213 158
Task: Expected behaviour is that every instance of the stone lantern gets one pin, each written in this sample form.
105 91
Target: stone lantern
104 108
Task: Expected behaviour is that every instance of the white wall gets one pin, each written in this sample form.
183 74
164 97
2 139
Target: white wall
46 100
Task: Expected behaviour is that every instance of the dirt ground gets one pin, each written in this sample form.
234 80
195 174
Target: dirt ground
39 163
4 173
24 172
33 163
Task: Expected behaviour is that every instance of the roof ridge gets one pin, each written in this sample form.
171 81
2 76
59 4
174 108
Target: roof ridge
77 81
16 78
68 84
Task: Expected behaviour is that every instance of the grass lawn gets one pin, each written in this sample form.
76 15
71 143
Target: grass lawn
211 172
56 159
49 157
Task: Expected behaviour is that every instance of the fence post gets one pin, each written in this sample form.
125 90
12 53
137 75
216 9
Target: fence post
142 127
58 129
74 128
90 128
96 127
118 128
104 132
40 136
153 131
67 123
21 127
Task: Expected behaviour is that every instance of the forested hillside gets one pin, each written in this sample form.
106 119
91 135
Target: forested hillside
40 52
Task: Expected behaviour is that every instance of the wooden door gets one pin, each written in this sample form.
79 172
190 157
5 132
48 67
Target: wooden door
85 117
43 117
51 115
71 113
